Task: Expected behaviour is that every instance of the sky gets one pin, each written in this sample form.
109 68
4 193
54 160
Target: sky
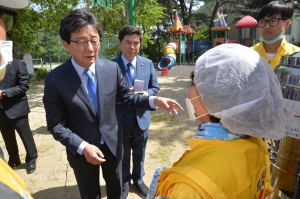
197 5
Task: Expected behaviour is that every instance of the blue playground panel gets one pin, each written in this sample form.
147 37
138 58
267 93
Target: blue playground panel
201 46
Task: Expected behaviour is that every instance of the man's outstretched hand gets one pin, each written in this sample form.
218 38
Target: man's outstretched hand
167 104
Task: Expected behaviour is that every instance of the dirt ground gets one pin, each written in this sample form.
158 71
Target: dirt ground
54 178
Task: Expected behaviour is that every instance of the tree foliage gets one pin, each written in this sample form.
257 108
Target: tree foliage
44 16
39 16
37 28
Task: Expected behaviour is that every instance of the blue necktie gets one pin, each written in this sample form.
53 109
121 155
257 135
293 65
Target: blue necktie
91 87
130 73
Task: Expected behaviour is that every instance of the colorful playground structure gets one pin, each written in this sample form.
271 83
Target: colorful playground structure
244 23
183 45
178 47
220 20
169 58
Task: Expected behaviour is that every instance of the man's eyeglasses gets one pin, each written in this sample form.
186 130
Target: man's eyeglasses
9 18
272 22
84 43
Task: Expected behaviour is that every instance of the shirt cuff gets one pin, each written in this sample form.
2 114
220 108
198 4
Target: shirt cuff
151 102
81 147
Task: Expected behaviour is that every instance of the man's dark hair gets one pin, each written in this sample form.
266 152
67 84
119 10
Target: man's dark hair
277 7
129 30
75 20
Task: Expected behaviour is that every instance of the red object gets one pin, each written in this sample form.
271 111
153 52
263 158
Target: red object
164 71
188 29
176 31
246 22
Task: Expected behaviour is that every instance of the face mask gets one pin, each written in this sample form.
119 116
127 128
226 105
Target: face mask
6 56
280 36
191 109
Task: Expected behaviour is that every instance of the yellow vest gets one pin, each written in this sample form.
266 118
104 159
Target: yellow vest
9 179
285 48
218 169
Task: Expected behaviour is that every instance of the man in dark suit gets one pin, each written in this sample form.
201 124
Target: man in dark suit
79 99
14 111
134 123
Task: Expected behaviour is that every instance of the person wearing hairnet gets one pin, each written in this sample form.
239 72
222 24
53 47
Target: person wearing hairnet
237 100
11 185
273 20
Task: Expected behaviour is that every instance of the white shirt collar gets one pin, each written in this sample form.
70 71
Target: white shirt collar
125 61
79 69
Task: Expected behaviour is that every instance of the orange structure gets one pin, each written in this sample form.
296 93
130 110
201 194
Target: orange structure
164 71
177 27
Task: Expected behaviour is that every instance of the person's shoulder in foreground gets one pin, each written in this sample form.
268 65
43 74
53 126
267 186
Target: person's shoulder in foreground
11 185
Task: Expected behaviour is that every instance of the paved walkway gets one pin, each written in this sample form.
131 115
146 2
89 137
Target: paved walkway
182 70
175 71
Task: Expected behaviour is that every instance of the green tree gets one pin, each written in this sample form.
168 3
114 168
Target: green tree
148 13
39 15
202 34
45 16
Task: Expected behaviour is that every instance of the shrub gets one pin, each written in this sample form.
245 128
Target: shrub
41 73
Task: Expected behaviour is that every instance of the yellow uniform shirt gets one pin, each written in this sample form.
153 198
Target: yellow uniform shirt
218 169
11 184
285 48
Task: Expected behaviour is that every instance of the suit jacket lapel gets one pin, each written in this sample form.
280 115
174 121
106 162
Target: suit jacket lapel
123 68
8 68
101 82
74 82
138 68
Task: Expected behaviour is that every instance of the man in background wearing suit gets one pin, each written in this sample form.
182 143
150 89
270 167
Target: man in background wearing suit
11 185
14 107
134 123
79 100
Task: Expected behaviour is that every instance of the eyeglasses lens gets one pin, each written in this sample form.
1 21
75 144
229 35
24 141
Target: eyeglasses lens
9 18
9 22
272 23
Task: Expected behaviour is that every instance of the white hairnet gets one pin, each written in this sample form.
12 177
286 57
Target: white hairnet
239 87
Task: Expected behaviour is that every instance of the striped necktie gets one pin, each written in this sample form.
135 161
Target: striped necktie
130 73
92 91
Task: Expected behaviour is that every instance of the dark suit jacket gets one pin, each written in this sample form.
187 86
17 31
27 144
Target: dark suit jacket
70 115
15 83
144 71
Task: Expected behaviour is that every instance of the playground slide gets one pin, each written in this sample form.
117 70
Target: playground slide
169 58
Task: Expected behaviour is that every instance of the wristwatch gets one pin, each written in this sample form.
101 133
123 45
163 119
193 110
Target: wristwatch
4 93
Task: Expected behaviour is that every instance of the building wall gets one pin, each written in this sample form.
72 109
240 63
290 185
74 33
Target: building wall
295 29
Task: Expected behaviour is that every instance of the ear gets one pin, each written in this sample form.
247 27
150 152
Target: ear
66 45
287 23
